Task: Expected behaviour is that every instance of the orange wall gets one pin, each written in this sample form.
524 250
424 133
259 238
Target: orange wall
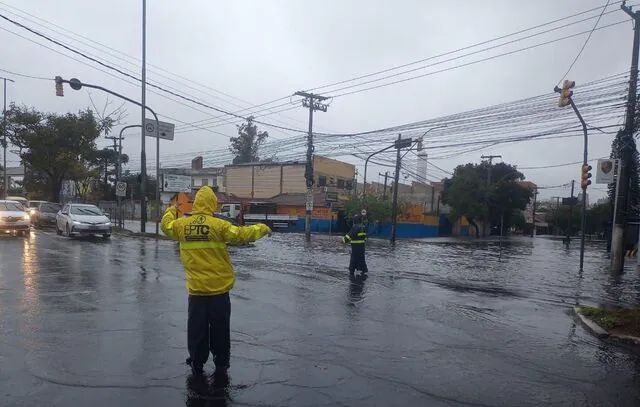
318 213
415 214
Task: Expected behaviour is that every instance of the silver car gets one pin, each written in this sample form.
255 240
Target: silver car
82 219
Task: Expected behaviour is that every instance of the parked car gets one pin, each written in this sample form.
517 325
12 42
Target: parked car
44 214
32 207
23 201
14 218
82 219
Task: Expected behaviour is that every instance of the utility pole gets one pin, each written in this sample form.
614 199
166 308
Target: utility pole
143 102
533 212
313 102
617 236
570 225
486 217
555 217
399 144
384 193
4 137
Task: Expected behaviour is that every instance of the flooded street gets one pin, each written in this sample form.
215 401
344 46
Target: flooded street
439 322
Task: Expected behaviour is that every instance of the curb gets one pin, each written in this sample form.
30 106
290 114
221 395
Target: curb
592 326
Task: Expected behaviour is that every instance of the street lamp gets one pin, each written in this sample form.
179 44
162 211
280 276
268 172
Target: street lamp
364 187
4 137
77 85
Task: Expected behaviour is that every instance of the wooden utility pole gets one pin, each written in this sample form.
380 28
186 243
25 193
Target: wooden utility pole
399 144
386 177
313 102
555 217
486 217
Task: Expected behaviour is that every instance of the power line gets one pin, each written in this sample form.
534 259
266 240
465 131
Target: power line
585 42
457 50
472 62
122 72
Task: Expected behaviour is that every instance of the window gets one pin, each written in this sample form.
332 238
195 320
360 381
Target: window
340 183
322 181
205 182
349 184
11 207
50 208
88 210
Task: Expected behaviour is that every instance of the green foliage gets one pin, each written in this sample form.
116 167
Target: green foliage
597 219
377 209
133 183
469 194
52 146
246 145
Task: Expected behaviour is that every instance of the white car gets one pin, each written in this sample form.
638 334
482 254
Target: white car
81 219
14 218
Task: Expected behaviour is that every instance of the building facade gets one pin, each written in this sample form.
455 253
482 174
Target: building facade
266 180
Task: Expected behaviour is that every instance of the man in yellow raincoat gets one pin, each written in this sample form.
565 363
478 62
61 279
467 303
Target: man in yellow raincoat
209 275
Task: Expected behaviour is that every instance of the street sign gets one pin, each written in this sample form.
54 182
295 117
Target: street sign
309 205
331 196
121 188
606 171
166 129
176 183
403 143
570 201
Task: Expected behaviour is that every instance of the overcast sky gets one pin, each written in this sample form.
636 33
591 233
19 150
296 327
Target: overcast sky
258 51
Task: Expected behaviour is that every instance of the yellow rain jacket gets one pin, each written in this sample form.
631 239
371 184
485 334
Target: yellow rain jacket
203 250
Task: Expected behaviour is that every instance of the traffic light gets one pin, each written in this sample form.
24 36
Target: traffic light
586 175
59 88
566 93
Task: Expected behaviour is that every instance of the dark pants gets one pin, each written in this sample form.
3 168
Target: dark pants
357 261
208 329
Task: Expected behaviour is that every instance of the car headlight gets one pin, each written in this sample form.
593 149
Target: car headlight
75 222
32 211
26 217
108 224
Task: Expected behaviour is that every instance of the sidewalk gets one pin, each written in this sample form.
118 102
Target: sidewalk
134 226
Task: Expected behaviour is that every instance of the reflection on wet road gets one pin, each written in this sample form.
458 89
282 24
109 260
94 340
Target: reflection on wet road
437 323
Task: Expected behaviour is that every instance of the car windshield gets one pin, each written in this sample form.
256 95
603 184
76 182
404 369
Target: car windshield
50 208
11 206
86 211
33 204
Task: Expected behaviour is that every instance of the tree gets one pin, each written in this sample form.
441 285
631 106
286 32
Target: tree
246 145
105 162
51 145
133 184
468 193
377 209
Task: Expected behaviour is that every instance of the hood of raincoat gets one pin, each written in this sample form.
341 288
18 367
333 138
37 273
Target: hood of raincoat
206 201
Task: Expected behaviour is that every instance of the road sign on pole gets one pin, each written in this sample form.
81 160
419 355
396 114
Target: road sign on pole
309 205
121 189
166 130
176 183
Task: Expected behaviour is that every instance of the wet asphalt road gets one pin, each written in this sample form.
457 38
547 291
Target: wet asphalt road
437 323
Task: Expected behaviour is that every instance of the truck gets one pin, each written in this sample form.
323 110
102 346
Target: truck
250 213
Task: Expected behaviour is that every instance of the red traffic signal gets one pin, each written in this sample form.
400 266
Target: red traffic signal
59 87
585 176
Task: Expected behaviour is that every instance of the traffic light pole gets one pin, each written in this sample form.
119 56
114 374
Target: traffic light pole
585 162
